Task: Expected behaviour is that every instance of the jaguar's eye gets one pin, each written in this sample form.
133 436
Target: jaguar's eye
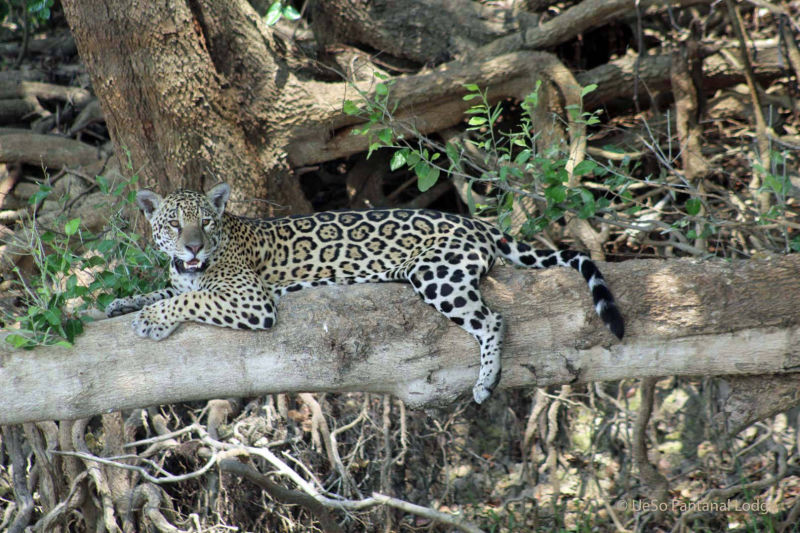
174 223
207 221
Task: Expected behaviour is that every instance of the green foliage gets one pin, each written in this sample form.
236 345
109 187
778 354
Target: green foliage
37 12
502 162
77 270
512 165
280 9
377 113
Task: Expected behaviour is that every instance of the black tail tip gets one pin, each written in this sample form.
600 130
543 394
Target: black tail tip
613 319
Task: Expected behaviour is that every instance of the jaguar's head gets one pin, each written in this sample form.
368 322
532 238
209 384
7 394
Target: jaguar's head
187 225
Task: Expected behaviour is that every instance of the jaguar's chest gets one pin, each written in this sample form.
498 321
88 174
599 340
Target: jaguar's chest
185 282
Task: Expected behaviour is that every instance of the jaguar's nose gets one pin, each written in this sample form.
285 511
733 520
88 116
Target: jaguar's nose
194 248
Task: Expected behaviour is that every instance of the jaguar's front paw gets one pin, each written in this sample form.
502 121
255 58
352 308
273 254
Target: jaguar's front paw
149 323
123 306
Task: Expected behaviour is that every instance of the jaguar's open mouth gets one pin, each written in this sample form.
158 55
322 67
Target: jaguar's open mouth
194 265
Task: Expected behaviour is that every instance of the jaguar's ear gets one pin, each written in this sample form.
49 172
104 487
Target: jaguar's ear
218 196
148 202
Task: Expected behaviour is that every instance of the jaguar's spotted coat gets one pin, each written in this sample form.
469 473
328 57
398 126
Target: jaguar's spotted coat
229 271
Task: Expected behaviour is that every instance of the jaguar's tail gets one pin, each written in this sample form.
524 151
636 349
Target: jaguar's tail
522 254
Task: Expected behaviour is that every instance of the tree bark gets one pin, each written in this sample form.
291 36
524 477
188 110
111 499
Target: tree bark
683 317
451 27
164 74
206 94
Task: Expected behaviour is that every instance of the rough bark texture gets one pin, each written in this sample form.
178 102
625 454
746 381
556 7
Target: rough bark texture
163 73
192 99
451 27
683 318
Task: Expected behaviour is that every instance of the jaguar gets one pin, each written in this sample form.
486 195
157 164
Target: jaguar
230 271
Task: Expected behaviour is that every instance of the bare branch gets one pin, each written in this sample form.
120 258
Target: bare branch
684 318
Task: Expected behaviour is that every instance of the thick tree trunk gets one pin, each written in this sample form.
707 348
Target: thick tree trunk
683 318
163 74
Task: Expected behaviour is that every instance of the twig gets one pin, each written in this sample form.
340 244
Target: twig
344 504
168 478
281 494
159 438
318 421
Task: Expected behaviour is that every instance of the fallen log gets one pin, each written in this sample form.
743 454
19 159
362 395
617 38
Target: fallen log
684 317
49 151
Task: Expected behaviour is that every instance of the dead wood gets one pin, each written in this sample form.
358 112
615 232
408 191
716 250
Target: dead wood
682 317
743 400
17 110
570 23
44 91
47 151
432 101
615 79
62 45
281 494
452 28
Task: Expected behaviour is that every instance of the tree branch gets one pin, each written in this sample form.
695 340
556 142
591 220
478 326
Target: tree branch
683 318
432 101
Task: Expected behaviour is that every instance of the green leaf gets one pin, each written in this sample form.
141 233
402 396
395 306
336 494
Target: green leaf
104 299
385 136
372 148
273 14
471 87
73 328
398 160
587 210
290 13
71 227
53 316
350 108
476 121
381 89
470 198
523 157
452 153
426 176
584 167
40 195
468 97
507 203
556 193
589 88
693 206
17 341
